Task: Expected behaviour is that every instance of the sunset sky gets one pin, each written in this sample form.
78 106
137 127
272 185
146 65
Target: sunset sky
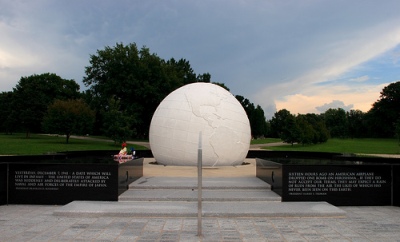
305 56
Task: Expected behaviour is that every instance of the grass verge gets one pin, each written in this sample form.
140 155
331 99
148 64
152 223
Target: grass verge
265 141
354 146
17 144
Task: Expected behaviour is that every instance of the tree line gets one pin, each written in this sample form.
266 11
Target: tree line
125 85
381 121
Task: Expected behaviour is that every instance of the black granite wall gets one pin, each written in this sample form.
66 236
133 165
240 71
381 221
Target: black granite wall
62 178
340 185
339 182
61 183
3 183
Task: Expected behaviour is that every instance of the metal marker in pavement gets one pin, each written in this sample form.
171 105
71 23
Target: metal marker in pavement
199 187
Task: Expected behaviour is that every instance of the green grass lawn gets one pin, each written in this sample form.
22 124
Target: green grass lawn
265 141
17 144
355 146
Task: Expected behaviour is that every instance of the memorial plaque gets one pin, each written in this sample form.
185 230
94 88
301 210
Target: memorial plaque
63 178
340 182
339 185
61 183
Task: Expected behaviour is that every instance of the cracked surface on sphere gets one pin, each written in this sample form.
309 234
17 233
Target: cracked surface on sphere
205 107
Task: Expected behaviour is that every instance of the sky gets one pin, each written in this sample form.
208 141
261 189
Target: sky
305 56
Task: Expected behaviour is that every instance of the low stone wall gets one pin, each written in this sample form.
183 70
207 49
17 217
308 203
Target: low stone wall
60 179
338 181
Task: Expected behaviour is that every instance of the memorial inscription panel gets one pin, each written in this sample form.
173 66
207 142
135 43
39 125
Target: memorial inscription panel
54 180
339 185
320 183
60 184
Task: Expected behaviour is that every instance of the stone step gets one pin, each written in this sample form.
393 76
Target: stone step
222 197
209 183
192 195
86 209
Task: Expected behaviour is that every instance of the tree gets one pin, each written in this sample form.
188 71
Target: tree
181 72
33 94
130 76
206 77
259 123
321 134
117 124
138 79
8 121
248 108
356 124
303 128
385 112
312 129
291 131
94 102
306 131
397 130
68 117
336 122
283 124
278 122
256 117
222 85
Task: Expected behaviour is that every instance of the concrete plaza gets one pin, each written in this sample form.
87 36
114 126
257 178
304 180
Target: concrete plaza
48 223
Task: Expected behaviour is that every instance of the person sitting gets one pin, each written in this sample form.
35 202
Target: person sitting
123 151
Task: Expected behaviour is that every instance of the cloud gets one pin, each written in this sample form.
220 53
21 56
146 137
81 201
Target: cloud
360 79
396 57
321 80
278 54
334 105
359 98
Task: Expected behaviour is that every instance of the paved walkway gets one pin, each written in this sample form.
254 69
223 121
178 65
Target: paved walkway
39 223
147 144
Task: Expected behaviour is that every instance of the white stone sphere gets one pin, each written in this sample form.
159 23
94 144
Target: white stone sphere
194 108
